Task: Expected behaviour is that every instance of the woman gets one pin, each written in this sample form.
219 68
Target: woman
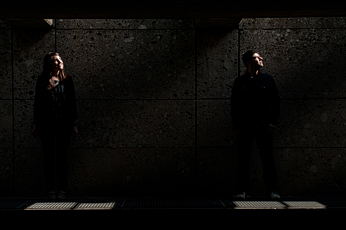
55 119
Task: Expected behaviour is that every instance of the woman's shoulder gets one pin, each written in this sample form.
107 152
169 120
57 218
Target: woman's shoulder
69 78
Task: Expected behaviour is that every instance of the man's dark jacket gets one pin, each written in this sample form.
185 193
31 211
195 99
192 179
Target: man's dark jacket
255 102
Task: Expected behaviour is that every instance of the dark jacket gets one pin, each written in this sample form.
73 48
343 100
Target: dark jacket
255 101
47 108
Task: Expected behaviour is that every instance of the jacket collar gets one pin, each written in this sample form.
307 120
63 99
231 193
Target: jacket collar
249 75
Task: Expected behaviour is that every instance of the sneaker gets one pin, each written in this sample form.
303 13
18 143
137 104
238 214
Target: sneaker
275 195
61 195
52 195
240 195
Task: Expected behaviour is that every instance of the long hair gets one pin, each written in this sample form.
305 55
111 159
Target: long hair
48 69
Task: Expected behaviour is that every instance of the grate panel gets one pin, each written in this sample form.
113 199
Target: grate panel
51 206
91 206
258 204
99 203
11 204
304 204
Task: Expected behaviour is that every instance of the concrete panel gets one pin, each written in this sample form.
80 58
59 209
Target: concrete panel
300 171
306 62
127 123
312 123
217 62
6 124
29 173
6 172
311 171
128 24
217 168
5 64
29 47
214 125
135 171
130 64
4 24
23 124
296 22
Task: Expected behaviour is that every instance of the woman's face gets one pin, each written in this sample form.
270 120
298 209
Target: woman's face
57 63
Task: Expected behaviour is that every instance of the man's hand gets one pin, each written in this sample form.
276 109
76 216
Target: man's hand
271 128
237 134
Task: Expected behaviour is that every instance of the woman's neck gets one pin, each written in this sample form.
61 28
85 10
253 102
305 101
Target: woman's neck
56 73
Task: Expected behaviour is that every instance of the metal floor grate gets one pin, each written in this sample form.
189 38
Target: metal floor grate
11 204
304 204
51 206
259 204
118 203
95 206
99 203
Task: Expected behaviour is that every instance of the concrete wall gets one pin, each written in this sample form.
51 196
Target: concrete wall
154 105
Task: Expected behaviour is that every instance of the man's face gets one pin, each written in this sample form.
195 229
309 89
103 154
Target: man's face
257 60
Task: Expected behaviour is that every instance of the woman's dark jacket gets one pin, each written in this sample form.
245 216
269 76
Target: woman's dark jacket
50 106
254 102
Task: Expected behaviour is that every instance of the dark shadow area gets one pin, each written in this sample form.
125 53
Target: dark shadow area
151 116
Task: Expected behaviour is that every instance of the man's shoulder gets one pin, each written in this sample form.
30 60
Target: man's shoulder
264 74
242 77
266 77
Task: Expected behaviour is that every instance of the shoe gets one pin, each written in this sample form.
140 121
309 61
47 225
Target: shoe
61 195
52 195
240 195
275 195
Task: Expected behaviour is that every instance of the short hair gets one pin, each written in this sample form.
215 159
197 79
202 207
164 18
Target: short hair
247 56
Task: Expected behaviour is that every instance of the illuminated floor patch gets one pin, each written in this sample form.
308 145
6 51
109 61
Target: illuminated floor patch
304 204
52 206
95 206
258 204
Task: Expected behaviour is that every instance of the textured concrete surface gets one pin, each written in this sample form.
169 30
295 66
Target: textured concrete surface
154 105
130 64
125 171
217 65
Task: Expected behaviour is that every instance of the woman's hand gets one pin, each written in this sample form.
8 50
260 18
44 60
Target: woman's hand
34 131
75 131
271 128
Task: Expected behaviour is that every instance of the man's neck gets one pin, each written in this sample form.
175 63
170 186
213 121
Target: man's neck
253 72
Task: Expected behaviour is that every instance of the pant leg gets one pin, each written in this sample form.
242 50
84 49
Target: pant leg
244 147
48 147
265 145
62 149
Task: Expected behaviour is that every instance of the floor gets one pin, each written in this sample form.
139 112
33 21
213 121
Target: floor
168 203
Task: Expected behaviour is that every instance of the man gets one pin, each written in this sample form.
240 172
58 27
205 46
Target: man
255 112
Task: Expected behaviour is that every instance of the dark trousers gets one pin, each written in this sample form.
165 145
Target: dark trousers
265 145
55 141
